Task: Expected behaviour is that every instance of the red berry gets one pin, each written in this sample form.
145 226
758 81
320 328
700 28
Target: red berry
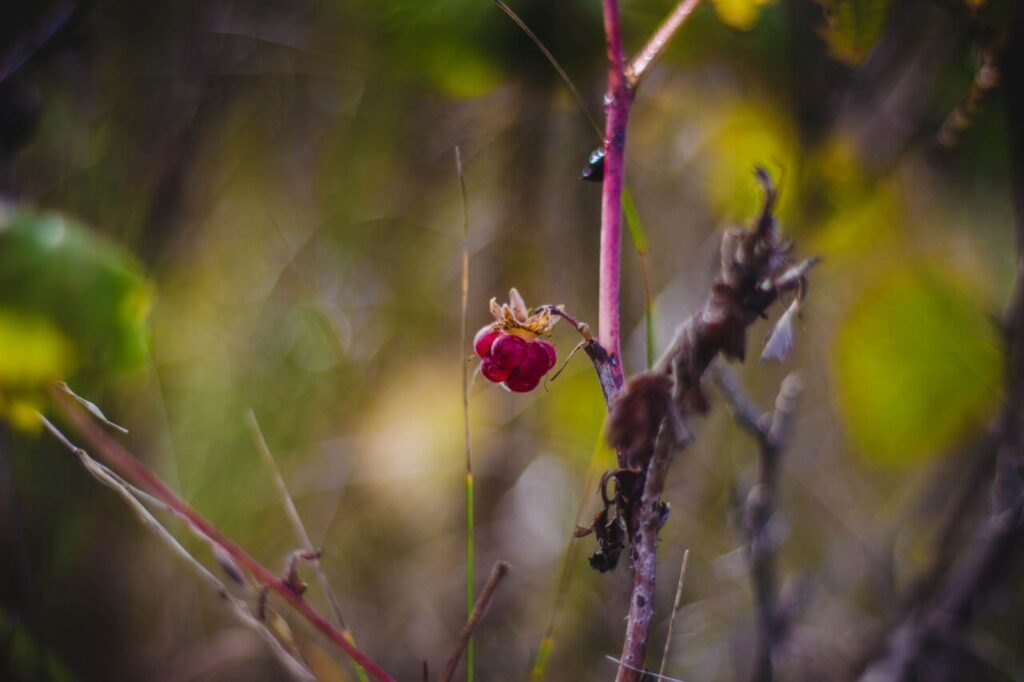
550 350
521 383
492 371
536 361
484 339
508 351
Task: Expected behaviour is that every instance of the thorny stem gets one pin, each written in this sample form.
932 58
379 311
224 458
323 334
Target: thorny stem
114 455
499 571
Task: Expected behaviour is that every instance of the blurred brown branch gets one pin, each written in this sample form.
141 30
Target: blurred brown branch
985 564
117 458
771 431
498 573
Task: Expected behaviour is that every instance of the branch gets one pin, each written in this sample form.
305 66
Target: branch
295 667
646 421
499 571
652 513
115 456
659 41
771 433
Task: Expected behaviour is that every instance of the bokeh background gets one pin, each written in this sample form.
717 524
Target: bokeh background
270 205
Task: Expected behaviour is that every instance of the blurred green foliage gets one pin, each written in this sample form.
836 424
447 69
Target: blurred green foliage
918 365
67 298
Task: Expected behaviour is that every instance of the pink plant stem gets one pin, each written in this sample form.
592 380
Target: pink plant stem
618 102
660 40
114 455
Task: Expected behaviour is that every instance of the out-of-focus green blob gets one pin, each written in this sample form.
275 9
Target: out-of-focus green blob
917 365
75 285
854 26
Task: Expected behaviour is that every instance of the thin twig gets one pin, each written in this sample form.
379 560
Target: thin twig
499 571
646 673
672 618
295 667
771 434
554 63
659 41
463 351
117 457
299 528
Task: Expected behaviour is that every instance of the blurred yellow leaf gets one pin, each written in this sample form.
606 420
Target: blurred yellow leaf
917 366
748 136
32 354
741 15
32 351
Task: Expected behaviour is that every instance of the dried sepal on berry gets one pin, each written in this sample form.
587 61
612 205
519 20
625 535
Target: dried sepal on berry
514 315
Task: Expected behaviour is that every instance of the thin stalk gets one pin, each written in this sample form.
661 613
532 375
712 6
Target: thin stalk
115 456
463 351
300 529
554 64
675 610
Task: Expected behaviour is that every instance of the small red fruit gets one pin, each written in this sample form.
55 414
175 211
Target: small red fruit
518 382
485 339
550 350
536 361
492 371
509 351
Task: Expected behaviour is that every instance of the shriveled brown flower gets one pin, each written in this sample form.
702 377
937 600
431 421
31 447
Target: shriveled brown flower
636 415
